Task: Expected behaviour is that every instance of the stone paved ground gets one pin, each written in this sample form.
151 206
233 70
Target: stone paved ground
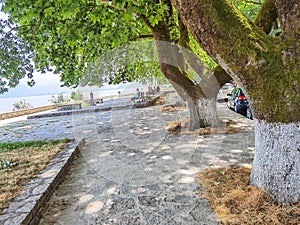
131 171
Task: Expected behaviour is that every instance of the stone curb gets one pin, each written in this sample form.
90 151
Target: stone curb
25 209
9 115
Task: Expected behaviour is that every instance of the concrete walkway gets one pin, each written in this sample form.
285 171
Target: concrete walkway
131 171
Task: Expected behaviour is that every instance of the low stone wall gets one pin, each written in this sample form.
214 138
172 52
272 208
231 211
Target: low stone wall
9 115
26 208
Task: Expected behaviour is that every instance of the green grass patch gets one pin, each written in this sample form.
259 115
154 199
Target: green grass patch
10 146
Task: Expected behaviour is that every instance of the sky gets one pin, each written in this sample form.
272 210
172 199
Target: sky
47 83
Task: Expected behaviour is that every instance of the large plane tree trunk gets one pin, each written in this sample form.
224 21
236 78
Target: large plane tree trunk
276 165
195 121
200 98
202 111
268 69
172 64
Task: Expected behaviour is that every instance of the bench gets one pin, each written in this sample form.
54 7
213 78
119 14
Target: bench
98 101
71 106
141 98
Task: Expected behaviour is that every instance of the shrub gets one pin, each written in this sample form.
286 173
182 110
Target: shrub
21 105
59 99
76 95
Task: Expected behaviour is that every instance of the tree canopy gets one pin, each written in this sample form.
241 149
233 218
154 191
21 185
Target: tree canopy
66 36
15 57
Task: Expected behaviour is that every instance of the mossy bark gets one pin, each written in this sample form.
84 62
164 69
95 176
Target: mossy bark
267 16
267 68
173 62
173 66
258 62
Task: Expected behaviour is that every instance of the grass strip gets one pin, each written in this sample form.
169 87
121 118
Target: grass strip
9 146
22 161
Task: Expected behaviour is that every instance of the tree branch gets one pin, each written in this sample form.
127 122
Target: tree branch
146 21
142 37
267 16
212 33
210 81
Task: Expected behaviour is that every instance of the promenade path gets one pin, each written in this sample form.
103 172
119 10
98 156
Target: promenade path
131 171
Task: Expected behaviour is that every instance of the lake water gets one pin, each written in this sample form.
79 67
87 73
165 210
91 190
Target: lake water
6 104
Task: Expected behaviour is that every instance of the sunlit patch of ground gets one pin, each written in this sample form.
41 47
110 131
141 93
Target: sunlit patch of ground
171 108
226 127
160 101
235 202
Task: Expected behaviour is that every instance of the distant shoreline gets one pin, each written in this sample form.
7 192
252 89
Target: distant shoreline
33 95
6 104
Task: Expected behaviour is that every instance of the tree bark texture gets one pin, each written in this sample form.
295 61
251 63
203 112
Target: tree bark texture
202 111
268 68
276 166
172 62
195 121
208 112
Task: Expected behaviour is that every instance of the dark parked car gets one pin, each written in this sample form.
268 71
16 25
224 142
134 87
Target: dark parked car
239 103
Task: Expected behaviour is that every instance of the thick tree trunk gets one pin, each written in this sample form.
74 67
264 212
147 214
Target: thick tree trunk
173 63
195 121
276 165
202 113
208 111
268 69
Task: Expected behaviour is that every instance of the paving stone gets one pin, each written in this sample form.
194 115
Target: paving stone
121 204
15 220
148 201
139 180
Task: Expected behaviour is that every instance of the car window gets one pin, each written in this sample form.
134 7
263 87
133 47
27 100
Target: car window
235 92
226 87
241 93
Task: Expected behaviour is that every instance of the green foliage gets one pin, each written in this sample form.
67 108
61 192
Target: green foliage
69 45
60 98
209 62
135 61
70 36
249 8
10 146
76 95
15 57
21 105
